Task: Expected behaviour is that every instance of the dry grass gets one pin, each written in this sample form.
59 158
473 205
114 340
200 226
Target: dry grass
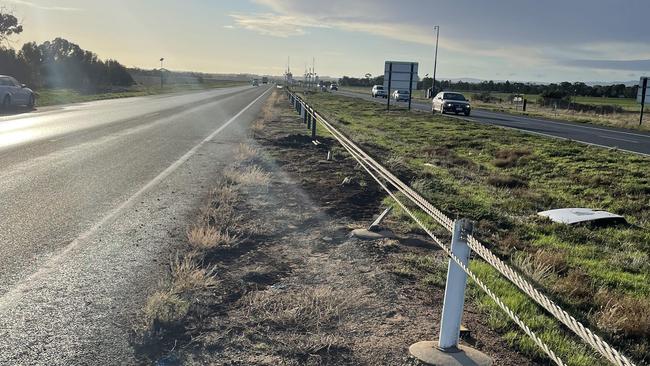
269 112
246 152
224 195
507 158
248 176
188 275
506 181
224 217
309 309
623 314
537 270
164 307
576 284
208 237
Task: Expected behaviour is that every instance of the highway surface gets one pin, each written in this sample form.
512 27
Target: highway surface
628 140
94 199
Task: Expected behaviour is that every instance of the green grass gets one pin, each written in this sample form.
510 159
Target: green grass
48 97
594 270
628 119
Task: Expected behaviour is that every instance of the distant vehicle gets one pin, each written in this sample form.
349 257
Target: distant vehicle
13 93
265 80
256 82
401 95
378 91
451 102
333 86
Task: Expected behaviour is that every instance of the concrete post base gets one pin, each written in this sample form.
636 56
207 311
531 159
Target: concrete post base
371 235
429 353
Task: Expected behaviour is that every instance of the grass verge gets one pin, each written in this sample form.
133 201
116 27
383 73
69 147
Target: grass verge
629 118
501 179
219 225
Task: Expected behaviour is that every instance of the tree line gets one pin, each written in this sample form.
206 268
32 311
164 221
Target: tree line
563 90
57 64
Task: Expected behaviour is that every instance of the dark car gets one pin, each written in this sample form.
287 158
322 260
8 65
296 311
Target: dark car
450 102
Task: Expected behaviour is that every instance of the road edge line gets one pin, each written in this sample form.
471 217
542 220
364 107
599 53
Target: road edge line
108 218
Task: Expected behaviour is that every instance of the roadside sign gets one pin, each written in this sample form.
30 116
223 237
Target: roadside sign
639 95
642 95
399 75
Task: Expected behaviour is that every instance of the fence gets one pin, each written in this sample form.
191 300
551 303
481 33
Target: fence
462 242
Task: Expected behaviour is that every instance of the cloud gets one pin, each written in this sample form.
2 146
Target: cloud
275 25
626 65
533 32
32 4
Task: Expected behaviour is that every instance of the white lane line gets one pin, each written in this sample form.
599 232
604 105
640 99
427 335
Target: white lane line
620 139
5 300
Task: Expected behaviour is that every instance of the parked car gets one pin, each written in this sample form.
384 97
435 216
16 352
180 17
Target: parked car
378 91
451 102
13 93
333 86
401 95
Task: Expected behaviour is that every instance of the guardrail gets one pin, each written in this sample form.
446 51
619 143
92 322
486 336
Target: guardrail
462 242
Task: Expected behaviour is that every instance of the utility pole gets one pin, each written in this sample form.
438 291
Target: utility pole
313 70
435 60
161 72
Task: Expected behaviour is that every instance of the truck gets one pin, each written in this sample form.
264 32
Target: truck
265 80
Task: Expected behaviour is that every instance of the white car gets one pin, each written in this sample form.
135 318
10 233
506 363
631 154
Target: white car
401 95
378 91
12 93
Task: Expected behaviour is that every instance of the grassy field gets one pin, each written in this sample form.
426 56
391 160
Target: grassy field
500 179
628 119
47 97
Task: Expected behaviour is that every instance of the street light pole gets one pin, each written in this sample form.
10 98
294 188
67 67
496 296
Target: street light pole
435 60
161 72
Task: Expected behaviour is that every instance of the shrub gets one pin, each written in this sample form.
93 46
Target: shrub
506 181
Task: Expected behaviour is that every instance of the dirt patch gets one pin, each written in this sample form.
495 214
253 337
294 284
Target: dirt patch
300 291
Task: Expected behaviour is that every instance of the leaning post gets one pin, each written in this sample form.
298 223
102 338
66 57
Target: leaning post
447 351
452 306
313 125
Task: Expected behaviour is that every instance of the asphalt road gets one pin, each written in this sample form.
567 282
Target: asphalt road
628 140
94 199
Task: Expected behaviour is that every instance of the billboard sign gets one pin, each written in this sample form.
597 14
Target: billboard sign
402 75
643 86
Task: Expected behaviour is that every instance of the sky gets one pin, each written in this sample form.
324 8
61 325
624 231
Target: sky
523 40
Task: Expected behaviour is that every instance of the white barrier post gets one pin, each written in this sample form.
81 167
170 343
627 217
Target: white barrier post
452 307
446 351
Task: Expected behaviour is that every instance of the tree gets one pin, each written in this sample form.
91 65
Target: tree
9 25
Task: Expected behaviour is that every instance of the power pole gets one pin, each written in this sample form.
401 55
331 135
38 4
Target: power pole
313 69
435 60
161 72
